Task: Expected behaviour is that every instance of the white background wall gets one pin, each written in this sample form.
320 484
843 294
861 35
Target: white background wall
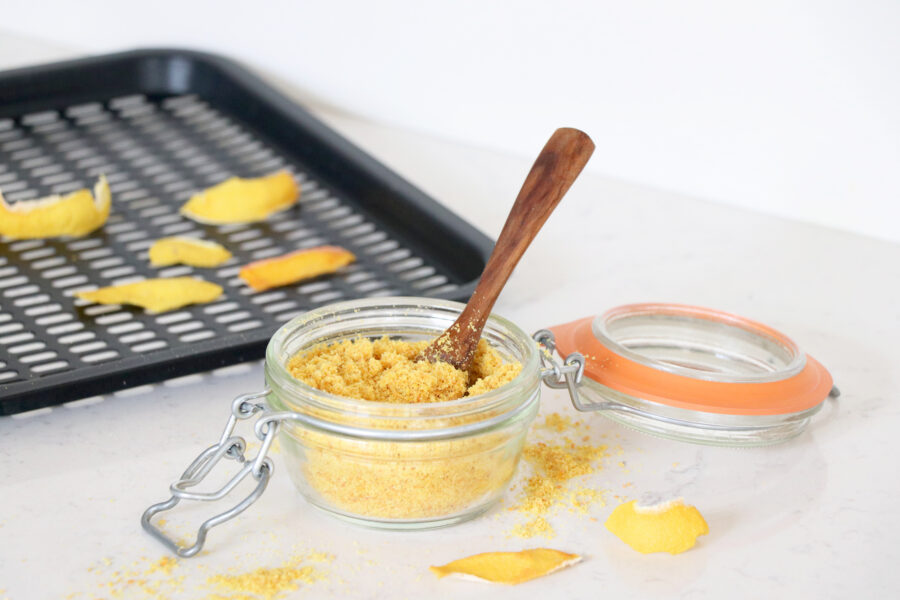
788 107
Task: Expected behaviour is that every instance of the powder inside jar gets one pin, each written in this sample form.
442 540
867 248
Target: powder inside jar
386 370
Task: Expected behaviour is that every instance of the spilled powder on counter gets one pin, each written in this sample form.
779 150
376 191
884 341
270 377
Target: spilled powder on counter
168 577
268 583
555 464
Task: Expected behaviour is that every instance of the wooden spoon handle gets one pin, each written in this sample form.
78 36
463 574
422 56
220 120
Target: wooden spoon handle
553 172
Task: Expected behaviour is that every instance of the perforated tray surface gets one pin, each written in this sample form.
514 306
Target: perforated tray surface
162 125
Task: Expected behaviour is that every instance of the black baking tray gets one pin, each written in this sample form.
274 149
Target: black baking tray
162 124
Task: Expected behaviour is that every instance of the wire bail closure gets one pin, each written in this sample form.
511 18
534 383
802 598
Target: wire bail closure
231 447
565 376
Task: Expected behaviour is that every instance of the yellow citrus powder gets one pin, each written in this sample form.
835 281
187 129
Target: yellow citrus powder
554 466
401 480
386 370
266 583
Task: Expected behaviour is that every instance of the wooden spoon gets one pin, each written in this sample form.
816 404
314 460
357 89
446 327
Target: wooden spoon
554 170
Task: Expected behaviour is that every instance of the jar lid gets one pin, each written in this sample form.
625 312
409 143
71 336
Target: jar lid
690 364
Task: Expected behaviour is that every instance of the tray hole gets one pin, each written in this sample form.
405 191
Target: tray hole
178 271
326 296
100 356
40 357
183 327
59 272
164 219
9 328
77 337
180 228
235 316
21 291
245 326
70 281
126 327
97 253
271 296
43 310
27 347
49 262
32 300
12 281
311 288
244 235
288 315
54 318
14 339
103 263
173 317
51 366
279 306
429 282
127 237
197 336
101 309
84 244
119 227
58 329
89 347
7 375
215 309
149 346
370 285
39 253
113 318
267 252
116 272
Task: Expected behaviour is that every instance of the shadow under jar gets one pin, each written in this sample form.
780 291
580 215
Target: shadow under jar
401 466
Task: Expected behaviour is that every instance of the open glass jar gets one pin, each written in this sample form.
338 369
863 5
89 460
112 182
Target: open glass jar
682 372
401 465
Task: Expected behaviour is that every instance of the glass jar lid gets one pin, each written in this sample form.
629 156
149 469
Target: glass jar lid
695 373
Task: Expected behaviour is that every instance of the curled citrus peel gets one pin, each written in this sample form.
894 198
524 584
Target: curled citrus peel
671 527
76 214
156 295
187 251
295 266
237 200
508 567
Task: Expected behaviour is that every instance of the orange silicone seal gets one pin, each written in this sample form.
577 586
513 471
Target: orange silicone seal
606 365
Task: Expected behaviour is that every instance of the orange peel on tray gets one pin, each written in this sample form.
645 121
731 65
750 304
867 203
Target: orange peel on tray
237 200
671 526
156 295
295 266
76 214
187 251
508 568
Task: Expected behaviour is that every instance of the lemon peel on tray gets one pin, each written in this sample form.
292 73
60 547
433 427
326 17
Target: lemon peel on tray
508 568
156 295
237 200
295 266
671 526
187 251
76 214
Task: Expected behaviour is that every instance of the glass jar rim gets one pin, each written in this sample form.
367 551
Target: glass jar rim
276 369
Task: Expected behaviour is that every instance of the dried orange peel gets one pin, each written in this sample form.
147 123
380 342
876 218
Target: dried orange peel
508 567
296 266
671 527
237 200
76 214
156 295
187 251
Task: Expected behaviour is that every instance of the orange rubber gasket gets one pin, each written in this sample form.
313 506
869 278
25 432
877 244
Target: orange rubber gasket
803 391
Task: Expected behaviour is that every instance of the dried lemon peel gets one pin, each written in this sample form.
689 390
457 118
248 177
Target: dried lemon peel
554 466
156 295
671 526
76 214
386 370
295 266
508 568
237 200
187 251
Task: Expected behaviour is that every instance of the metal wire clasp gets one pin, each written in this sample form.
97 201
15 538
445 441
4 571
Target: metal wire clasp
567 375
231 447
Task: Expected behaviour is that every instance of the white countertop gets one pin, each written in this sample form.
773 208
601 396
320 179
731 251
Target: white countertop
814 517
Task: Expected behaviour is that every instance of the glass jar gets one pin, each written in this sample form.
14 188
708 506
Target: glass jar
400 466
